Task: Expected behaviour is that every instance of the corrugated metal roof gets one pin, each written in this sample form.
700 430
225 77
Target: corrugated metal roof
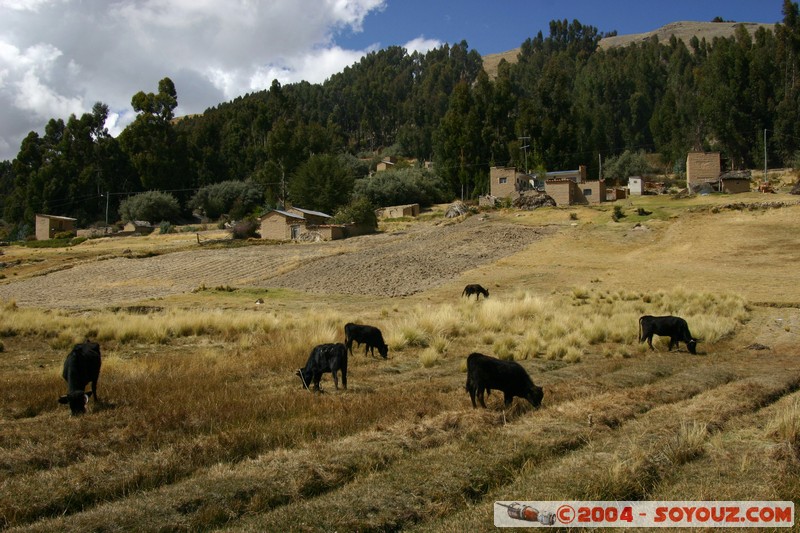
315 213
56 217
284 213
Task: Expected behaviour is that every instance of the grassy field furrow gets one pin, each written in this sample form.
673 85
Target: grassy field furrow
652 457
342 466
464 470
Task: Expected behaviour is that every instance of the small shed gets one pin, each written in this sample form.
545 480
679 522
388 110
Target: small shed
636 185
47 226
387 163
735 182
398 211
138 227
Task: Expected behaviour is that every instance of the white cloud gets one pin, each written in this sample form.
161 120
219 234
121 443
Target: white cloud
61 56
25 5
422 45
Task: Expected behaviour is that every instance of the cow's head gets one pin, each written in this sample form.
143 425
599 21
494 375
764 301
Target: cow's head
304 375
383 350
77 401
535 395
692 345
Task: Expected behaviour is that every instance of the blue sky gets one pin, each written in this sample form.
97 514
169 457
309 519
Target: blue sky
501 25
59 57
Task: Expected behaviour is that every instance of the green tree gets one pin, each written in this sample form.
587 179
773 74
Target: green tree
360 210
158 154
627 164
234 198
150 206
406 186
322 183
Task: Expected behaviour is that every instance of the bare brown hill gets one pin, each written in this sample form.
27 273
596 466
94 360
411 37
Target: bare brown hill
683 30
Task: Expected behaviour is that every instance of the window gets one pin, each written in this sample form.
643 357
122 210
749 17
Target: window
503 180
587 192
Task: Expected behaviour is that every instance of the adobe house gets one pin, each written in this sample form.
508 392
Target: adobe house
296 224
702 167
505 181
47 226
735 182
398 211
281 225
565 191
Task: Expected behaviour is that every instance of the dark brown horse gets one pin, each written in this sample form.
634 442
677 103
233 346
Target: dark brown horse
475 289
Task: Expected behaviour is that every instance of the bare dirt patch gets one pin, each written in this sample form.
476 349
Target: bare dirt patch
389 264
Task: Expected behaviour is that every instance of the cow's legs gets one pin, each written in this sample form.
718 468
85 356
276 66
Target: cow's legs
507 398
480 397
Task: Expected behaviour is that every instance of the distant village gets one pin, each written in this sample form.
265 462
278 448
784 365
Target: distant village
559 188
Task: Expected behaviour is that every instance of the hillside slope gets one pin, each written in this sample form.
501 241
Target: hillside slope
683 30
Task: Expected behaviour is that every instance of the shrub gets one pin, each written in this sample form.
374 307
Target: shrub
164 228
245 229
360 211
149 206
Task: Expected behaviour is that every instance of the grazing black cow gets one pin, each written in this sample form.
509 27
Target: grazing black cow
370 336
81 367
475 289
487 373
324 358
673 327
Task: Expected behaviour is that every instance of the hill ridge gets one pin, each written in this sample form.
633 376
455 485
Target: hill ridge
683 30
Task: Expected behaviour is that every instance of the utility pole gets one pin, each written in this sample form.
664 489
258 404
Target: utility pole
283 186
600 165
107 195
525 149
765 155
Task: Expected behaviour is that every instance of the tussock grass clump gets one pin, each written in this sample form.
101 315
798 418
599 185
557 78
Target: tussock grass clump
504 348
785 425
429 357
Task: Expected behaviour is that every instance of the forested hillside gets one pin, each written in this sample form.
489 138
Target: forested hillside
565 98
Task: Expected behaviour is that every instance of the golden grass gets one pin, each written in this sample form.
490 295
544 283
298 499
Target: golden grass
203 425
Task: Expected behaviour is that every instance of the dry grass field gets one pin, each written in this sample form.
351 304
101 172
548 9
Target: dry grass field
201 424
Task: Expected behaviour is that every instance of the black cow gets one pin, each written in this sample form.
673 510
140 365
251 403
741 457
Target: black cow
81 367
370 336
486 373
324 358
475 289
673 327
